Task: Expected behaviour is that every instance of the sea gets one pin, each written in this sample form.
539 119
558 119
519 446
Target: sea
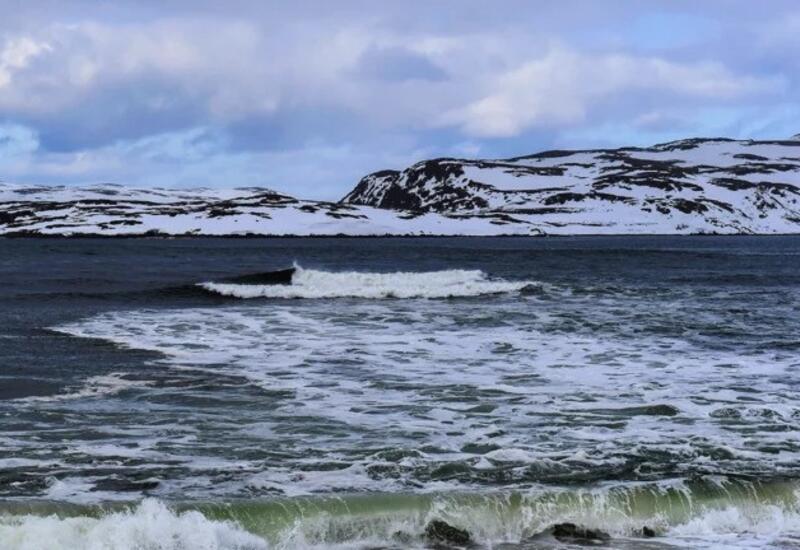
644 389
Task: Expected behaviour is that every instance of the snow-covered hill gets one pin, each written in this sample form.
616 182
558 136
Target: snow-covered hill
688 186
110 209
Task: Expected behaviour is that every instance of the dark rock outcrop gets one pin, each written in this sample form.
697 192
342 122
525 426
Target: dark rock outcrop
648 532
438 531
569 532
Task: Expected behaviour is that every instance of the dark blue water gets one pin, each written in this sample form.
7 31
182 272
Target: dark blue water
588 364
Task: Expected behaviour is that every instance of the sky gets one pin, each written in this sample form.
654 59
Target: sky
308 96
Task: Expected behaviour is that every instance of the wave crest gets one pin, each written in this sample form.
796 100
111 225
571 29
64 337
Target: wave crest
150 525
311 283
712 513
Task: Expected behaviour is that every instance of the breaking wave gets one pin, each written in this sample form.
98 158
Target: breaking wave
94 386
151 525
310 283
711 513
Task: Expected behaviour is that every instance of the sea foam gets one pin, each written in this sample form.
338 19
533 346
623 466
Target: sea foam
734 514
311 283
151 525
467 382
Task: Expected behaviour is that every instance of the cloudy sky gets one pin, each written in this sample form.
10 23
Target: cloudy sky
307 96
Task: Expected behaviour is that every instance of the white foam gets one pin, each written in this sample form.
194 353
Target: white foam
362 366
744 526
310 283
151 525
495 518
94 386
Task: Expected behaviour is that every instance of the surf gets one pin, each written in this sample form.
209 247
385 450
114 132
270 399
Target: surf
700 513
298 282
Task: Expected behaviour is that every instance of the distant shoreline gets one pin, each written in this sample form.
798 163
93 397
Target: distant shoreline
385 236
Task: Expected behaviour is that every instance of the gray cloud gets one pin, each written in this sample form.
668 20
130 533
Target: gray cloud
394 64
306 96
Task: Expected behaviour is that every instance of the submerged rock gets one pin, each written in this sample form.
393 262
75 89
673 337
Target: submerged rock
442 532
648 532
403 538
569 532
652 410
115 484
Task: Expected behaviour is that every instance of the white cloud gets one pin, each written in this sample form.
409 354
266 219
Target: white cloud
17 140
254 95
228 69
224 70
563 86
18 146
217 63
16 54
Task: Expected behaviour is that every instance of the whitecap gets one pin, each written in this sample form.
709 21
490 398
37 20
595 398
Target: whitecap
150 525
311 283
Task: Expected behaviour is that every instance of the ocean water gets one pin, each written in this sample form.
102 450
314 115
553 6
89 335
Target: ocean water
501 385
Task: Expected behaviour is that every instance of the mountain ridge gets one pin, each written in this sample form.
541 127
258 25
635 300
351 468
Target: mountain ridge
730 186
693 185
